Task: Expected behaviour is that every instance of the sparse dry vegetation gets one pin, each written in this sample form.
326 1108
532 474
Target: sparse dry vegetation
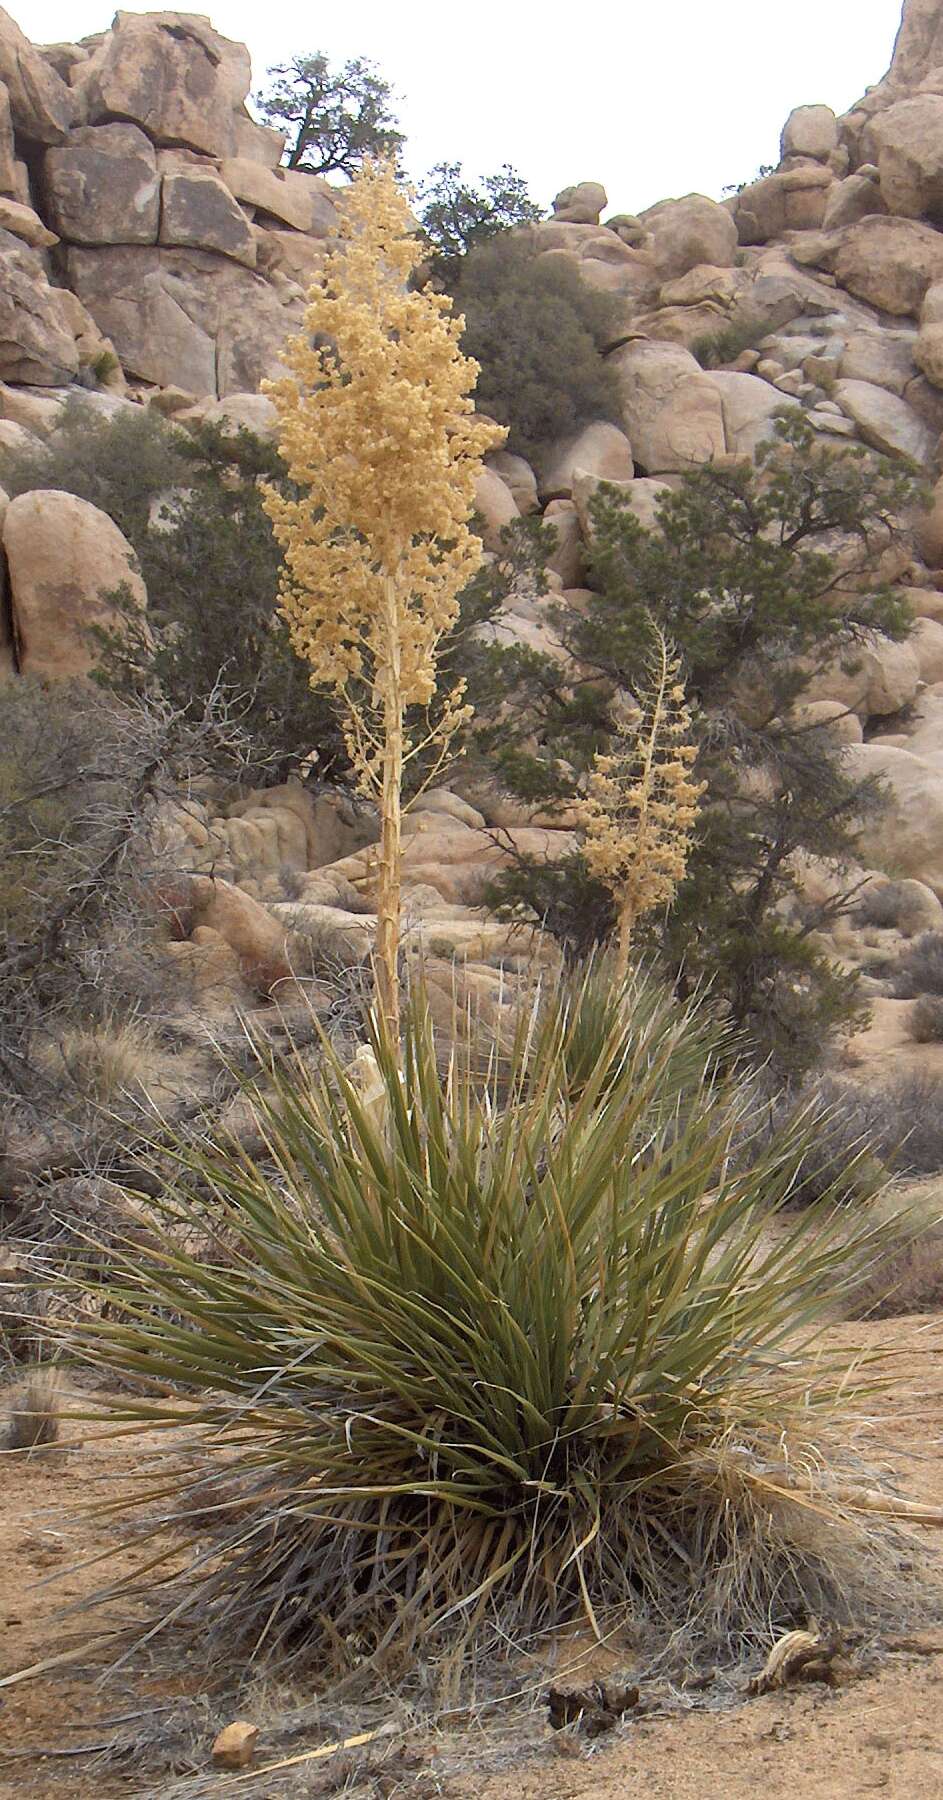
919 968
98 1064
718 349
907 1279
926 1019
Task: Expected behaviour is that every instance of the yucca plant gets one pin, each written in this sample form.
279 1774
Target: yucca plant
450 1368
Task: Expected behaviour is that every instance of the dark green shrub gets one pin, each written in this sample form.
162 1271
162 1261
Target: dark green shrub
103 365
211 566
537 330
121 463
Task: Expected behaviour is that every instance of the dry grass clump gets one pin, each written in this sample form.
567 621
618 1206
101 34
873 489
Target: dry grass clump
488 1352
34 1413
718 349
23 1311
99 1064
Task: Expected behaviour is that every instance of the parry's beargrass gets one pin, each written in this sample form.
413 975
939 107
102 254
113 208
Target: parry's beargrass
470 1357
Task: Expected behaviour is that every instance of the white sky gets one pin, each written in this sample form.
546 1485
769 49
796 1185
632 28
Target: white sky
655 98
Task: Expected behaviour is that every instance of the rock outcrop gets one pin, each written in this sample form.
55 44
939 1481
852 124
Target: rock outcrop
151 240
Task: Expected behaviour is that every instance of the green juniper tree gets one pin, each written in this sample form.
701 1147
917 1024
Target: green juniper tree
333 119
743 575
220 635
457 216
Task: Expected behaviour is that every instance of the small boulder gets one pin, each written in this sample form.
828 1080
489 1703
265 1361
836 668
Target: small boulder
102 186
518 476
258 143
600 449
41 104
586 486
442 800
686 233
790 200
906 837
495 506
928 352
671 409
566 559
751 407
885 421
810 131
872 678
889 262
582 204
644 497
929 530
255 412
234 1746
302 201
36 344
64 557
172 74
926 642
258 940
884 358
857 197
39 412
909 140
842 723
22 222
197 208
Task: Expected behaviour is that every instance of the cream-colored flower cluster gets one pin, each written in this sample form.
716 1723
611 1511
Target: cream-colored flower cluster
377 428
642 802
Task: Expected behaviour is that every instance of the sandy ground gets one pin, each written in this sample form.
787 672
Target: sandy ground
881 1734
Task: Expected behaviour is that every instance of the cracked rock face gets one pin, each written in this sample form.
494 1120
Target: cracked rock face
173 75
102 186
36 344
42 107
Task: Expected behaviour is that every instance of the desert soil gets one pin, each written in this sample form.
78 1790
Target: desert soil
881 1734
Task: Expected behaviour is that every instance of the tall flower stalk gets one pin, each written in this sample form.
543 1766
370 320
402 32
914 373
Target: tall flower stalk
642 802
377 431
